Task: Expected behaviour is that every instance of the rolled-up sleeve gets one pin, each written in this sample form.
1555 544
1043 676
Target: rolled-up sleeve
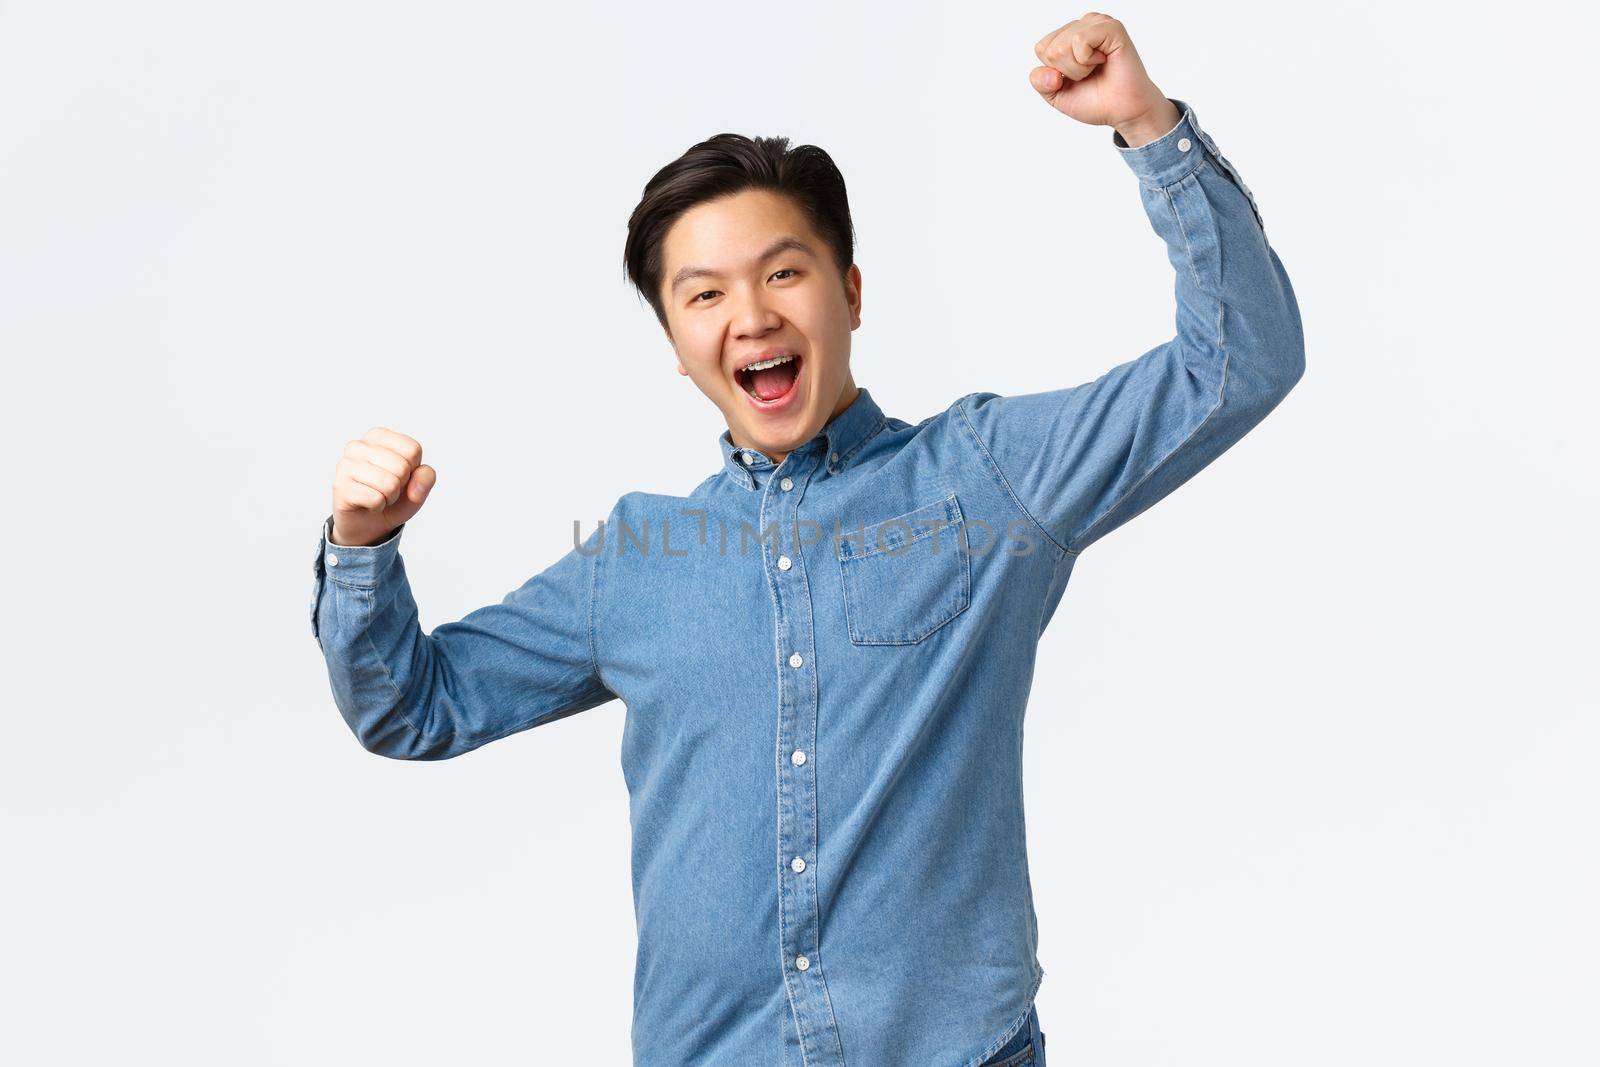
505 667
1085 459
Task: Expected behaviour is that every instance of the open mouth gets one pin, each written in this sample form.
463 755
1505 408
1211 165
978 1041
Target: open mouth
770 382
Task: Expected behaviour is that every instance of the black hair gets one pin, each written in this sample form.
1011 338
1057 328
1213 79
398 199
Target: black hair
725 164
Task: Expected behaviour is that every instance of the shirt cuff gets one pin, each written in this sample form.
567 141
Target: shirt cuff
1169 157
355 564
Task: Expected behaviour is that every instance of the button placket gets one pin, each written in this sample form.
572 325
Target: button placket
798 919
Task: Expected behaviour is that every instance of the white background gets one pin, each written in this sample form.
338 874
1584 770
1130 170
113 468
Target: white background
1311 756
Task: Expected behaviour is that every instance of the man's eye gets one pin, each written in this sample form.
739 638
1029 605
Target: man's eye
710 292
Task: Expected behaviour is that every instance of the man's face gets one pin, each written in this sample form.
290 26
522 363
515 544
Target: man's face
749 306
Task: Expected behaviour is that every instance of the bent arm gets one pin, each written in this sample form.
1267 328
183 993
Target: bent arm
1086 459
501 669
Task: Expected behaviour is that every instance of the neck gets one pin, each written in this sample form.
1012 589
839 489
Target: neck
846 398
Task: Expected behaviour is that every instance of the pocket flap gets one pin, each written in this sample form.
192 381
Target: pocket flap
894 535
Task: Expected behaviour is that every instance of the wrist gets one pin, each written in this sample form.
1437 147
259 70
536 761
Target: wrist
341 540
1150 125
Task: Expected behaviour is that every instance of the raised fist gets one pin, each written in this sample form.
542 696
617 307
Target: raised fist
380 482
1091 72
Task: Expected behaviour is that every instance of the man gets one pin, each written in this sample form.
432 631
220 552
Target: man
825 649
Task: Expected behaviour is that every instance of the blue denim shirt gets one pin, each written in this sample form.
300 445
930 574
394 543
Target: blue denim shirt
825 664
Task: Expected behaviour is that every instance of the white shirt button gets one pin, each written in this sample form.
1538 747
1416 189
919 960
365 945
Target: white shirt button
747 457
798 864
801 962
797 757
783 565
795 660
331 560
1183 144
787 484
833 457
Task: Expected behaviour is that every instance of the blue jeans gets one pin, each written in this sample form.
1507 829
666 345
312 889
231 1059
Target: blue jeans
1026 1049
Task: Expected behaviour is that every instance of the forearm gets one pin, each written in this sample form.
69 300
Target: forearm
366 624
1238 348
1236 311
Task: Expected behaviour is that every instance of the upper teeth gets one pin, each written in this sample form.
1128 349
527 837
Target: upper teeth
773 362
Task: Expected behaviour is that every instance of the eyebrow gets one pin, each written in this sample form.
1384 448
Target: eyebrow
786 243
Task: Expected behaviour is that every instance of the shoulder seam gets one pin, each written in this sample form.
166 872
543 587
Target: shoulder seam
961 407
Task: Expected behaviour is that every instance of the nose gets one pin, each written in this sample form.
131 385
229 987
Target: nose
752 315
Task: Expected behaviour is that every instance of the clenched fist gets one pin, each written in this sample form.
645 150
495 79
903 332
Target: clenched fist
380 482
1093 74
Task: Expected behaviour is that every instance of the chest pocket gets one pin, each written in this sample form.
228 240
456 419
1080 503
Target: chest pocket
905 576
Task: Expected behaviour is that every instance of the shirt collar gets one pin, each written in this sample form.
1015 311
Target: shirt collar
841 437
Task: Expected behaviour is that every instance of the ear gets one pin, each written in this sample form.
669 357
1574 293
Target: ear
668 332
852 293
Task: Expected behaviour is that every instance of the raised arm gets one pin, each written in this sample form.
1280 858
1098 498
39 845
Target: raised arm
1084 460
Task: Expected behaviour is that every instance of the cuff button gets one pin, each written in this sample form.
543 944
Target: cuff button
331 560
